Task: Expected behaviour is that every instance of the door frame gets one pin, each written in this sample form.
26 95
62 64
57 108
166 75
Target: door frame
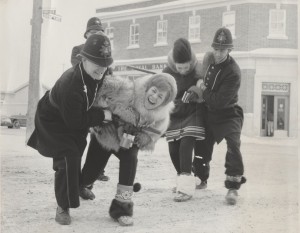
286 113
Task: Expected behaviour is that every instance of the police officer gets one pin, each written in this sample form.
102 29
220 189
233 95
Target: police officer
63 117
223 116
93 26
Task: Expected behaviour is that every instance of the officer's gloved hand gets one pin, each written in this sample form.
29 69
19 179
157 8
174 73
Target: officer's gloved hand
195 94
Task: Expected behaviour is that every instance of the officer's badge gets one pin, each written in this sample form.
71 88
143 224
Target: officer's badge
105 49
221 37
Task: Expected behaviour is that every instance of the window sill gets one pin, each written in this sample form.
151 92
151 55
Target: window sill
195 41
160 44
133 47
277 37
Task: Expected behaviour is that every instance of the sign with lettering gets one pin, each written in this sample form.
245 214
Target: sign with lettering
151 66
49 11
53 17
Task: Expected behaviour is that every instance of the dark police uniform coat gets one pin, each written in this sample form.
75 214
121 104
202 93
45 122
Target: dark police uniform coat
224 115
64 116
187 118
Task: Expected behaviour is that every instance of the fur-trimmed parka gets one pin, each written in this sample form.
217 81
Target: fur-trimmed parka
187 118
125 98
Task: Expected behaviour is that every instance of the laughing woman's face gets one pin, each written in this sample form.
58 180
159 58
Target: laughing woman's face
154 98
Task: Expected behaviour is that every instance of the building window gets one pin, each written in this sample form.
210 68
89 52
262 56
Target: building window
194 28
277 23
229 22
162 30
109 31
134 36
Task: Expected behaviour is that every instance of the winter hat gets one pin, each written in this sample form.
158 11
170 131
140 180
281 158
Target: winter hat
97 49
182 51
166 82
93 24
222 39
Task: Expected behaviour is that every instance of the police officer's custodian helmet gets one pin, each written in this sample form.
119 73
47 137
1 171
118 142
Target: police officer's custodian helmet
222 39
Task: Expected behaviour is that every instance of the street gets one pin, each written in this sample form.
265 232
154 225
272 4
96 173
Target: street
268 202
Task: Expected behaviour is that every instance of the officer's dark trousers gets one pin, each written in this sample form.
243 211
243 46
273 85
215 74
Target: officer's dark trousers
66 180
181 153
97 158
233 161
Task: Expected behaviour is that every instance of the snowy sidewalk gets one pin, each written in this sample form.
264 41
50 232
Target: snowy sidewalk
268 202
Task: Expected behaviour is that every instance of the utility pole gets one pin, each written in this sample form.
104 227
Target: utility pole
34 69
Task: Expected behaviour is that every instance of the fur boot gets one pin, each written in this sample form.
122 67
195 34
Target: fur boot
185 187
121 208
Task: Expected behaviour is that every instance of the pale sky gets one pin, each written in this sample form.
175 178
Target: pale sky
58 38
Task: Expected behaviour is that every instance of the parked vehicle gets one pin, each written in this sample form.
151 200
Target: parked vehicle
5 121
14 121
18 121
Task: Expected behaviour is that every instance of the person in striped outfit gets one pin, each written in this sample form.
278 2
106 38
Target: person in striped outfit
186 121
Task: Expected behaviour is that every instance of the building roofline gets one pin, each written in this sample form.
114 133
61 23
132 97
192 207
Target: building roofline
177 6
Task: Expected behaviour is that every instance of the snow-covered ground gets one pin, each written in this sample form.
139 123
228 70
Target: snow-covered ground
268 202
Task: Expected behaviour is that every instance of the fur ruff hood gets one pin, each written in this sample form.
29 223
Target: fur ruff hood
148 116
208 59
193 62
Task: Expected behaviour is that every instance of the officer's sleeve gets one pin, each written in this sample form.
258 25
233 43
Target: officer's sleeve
223 96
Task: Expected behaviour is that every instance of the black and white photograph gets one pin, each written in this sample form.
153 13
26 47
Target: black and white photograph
149 116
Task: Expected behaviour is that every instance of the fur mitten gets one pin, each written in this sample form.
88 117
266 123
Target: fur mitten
107 136
144 141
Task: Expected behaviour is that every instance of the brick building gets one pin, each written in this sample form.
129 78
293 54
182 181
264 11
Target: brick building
265 40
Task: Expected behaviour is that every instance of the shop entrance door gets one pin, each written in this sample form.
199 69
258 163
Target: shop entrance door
281 117
267 116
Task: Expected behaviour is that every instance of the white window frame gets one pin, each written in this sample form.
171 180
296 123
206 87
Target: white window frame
274 22
228 21
161 33
109 31
134 36
194 29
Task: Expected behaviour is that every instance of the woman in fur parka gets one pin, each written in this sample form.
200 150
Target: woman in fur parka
186 121
141 110
127 100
